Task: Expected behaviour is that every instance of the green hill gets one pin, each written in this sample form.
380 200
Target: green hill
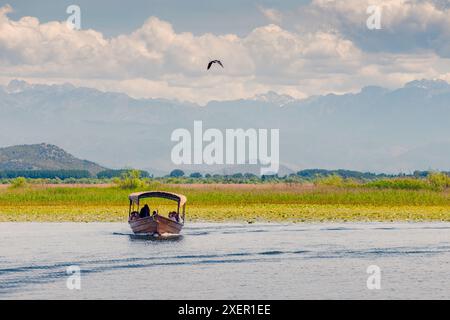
43 157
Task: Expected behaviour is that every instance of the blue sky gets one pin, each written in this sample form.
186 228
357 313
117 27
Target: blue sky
160 48
113 17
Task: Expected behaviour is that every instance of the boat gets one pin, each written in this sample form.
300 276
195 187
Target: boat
155 223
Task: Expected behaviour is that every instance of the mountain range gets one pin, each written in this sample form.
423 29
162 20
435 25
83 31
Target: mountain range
376 129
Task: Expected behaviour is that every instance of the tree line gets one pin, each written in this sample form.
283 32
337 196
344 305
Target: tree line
309 174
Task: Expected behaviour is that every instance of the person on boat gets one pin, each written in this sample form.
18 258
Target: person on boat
145 211
155 213
134 215
174 216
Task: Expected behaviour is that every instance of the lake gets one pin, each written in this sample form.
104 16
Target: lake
226 261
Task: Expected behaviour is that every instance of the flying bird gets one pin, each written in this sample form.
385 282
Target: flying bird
214 61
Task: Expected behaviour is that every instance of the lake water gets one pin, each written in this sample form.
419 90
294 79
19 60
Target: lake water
226 261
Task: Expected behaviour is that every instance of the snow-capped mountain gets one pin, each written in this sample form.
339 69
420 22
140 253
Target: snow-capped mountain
376 129
274 98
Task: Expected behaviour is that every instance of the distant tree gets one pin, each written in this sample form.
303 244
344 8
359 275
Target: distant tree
196 175
421 174
177 173
45 174
208 176
312 174
109 174
269 177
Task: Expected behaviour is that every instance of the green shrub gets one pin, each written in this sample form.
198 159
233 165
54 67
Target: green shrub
18 182
332 180
438 180
129 180
400 183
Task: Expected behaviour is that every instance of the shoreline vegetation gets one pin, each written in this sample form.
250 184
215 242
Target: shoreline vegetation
321 199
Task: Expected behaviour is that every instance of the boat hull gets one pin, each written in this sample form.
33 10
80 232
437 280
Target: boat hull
155 224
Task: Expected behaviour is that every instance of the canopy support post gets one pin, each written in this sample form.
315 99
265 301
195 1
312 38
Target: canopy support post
129 211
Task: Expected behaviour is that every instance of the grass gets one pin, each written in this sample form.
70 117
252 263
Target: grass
280 202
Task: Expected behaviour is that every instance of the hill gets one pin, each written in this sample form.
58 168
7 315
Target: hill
43 157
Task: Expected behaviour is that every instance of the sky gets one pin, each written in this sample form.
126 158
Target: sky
160 48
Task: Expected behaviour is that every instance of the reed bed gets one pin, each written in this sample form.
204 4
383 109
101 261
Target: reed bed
280 202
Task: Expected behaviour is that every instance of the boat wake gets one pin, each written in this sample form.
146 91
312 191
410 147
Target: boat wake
259 250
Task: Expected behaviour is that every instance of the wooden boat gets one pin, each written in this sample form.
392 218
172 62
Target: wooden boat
156 223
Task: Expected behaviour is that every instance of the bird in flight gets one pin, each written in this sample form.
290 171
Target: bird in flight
214 61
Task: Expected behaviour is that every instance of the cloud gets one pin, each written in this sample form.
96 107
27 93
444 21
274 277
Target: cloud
156 61
273 15
407 25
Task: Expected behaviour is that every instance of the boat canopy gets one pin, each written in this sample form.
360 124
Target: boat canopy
135 197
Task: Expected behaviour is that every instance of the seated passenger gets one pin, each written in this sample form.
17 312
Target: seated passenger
174 216
134 215
145 211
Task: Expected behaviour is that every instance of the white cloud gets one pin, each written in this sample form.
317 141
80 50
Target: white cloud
273 15
157 61
407 25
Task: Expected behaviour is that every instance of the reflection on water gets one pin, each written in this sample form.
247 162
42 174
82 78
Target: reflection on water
152 237
229 261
